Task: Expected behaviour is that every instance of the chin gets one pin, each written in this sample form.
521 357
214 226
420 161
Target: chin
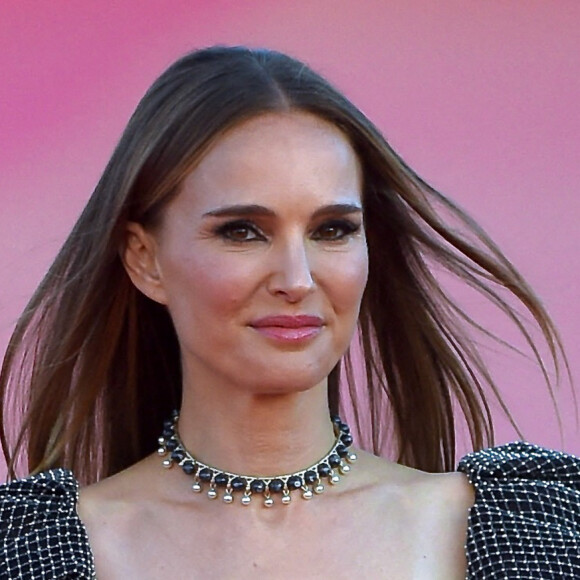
287 382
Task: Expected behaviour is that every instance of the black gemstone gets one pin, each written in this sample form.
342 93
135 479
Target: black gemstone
238 483
334 460
178 455
167 433
276 485
205 474
221 479
344 428
168 424
171 445
341 450
336 419
346 439
310 477
188 467
323 470
294 482
257 486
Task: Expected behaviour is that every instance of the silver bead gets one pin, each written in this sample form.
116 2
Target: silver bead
307 494
246 500
161 451
319 488
352 457
228 497
334 479
286 499
161 440
196 487
167 463
211 493
268 502
344 469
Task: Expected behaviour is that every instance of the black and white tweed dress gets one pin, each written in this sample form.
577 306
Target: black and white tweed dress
525 522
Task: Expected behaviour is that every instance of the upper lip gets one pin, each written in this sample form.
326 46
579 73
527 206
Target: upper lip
285 321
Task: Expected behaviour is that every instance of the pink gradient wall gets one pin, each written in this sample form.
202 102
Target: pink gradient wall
482 98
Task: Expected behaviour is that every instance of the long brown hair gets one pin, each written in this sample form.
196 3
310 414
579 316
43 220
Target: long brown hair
93 366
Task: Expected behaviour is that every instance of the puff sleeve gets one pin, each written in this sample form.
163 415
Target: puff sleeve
525 522
41 535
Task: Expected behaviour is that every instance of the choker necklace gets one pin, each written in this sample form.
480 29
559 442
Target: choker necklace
310 480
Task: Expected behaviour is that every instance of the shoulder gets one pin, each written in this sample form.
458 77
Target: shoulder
422 491
41 535
526 515
522 460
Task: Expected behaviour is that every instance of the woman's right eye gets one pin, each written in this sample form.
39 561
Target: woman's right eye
239 231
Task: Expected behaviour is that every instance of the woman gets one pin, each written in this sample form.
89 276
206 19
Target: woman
249 221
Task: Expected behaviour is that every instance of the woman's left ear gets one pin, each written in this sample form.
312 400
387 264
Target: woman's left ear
139 256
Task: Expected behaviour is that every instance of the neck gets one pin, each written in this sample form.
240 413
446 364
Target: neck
256 434
257 444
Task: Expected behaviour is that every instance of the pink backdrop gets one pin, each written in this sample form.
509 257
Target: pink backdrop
482 98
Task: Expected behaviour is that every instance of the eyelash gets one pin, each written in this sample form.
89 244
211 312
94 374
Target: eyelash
346 227
227 230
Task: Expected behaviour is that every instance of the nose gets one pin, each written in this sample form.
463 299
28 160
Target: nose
291 276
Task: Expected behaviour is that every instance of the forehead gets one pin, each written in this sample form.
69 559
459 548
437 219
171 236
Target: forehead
287 129
277 156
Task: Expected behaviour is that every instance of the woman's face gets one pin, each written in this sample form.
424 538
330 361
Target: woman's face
261 258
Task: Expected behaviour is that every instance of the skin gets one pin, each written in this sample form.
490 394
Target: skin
269 223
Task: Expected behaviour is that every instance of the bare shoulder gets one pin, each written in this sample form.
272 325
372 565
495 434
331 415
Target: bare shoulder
108 496
450 486
112 511
441 495
433 510
104 509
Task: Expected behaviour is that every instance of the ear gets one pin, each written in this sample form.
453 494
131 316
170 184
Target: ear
139 256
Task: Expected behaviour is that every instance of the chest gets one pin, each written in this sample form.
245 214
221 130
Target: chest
367 544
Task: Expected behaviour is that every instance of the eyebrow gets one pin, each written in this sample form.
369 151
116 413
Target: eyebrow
260 210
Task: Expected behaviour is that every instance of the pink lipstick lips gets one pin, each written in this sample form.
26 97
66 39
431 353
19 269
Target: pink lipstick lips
291 329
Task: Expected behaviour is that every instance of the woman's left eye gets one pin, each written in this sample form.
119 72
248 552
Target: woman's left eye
335 230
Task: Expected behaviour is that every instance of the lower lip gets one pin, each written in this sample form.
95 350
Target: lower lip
290 335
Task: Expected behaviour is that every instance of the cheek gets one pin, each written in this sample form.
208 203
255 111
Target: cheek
346 281
204 286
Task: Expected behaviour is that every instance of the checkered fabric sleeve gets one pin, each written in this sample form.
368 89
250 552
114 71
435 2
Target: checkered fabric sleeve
41 535
525 522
